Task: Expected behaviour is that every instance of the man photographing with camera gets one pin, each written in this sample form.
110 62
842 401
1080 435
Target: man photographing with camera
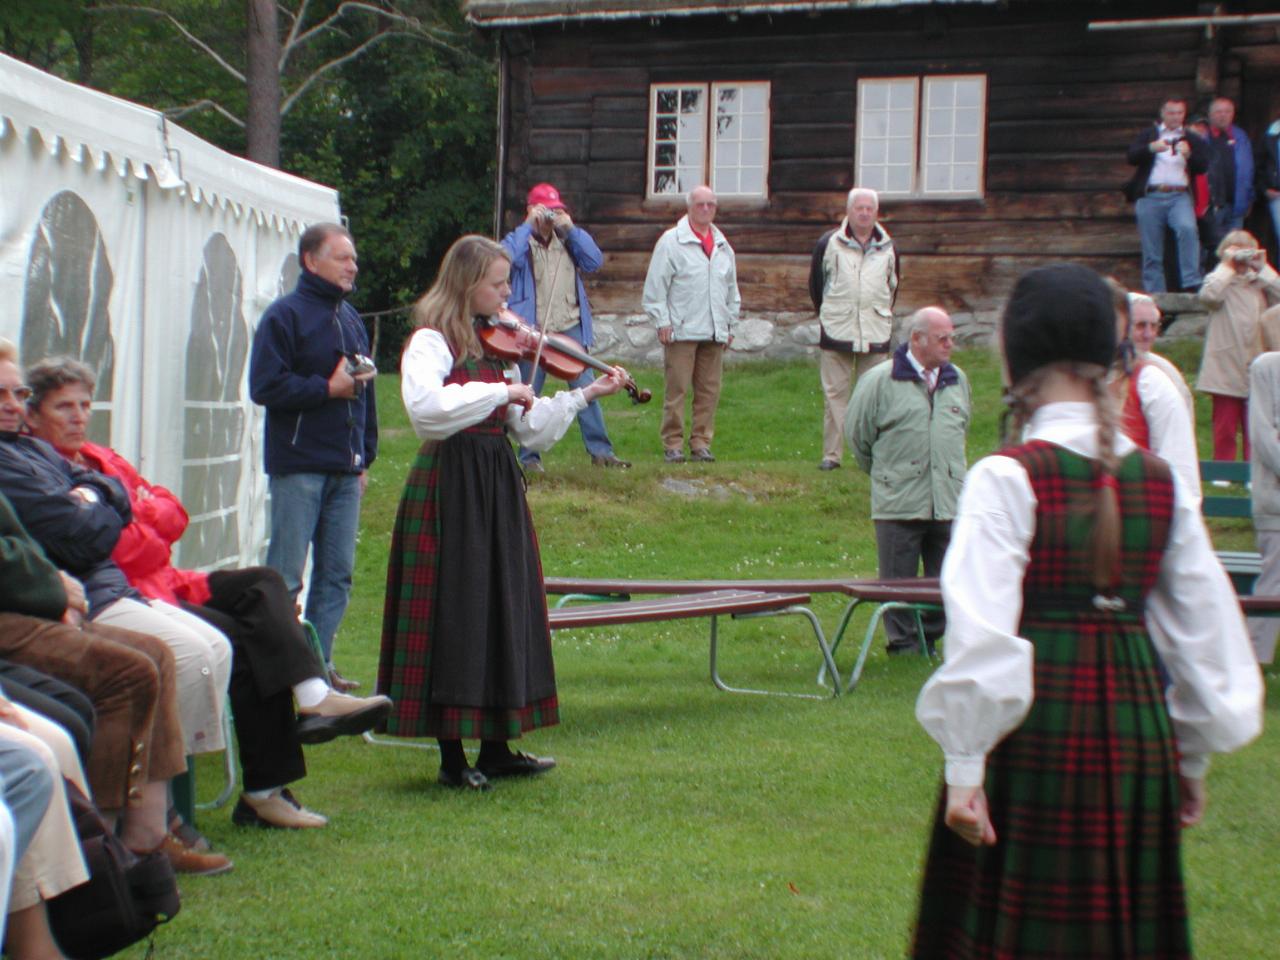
310 369
549 256
1167 157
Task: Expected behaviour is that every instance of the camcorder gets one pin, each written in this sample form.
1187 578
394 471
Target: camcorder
358 364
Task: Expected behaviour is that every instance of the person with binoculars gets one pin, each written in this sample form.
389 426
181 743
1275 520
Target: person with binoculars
1237 291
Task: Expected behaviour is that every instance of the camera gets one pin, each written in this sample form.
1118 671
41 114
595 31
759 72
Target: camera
548 215
358 364
1245 256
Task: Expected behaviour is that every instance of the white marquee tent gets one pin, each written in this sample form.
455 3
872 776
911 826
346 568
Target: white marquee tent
149 254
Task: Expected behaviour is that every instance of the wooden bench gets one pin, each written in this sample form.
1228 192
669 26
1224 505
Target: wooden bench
711 604
1242 566
888 594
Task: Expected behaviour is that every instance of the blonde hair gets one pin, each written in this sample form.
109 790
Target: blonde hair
446 307
1237 238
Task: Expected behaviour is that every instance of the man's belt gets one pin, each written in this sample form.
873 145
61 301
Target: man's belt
1165 188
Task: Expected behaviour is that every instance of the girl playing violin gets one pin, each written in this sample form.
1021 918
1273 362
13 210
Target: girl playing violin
465 642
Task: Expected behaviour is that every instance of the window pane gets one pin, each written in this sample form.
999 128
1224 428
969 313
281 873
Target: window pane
901 123
751 181
898 180
969 93
902 94
690 101
691 129
664 181
874 151
900 151
666 128
952 145
753 127
690 155
873 178
690 177
727 99
875 96
664 155
968 120
726 180
667 100
755 99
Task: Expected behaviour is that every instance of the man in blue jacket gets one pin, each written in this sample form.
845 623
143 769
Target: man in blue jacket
1234 144
310 369
549 255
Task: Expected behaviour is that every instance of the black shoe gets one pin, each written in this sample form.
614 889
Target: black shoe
829 465
702 455
903 650
468 778
673 456
516 765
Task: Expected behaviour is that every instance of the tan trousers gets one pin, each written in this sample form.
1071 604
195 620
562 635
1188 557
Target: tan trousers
53 862
131 682
686 363
838 372
201 656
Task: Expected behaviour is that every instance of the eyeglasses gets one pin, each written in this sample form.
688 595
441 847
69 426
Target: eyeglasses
21 394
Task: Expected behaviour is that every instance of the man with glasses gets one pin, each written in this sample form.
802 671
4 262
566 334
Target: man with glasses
906 426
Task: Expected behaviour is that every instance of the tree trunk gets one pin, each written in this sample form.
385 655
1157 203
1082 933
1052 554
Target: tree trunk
262 75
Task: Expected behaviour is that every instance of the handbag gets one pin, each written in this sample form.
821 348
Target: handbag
126 897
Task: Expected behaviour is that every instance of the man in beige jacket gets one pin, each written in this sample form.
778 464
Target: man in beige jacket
853 280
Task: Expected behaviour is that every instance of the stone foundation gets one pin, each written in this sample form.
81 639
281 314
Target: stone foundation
631 338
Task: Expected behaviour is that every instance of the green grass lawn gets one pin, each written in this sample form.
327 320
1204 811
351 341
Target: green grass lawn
682 822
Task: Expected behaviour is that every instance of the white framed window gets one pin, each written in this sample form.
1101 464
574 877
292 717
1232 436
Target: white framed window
712 133
922 136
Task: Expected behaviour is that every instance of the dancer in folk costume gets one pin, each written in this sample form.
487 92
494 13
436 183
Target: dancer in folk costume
1077 563
466 649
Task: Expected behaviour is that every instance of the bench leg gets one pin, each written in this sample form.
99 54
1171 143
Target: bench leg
843 625
915 608
828 662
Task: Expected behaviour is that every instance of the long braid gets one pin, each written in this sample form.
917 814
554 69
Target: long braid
1105 538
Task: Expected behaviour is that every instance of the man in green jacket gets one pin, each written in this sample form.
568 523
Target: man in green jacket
906 425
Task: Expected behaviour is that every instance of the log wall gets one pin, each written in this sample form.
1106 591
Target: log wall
1063 104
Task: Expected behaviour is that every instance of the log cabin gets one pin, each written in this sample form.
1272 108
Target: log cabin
995 130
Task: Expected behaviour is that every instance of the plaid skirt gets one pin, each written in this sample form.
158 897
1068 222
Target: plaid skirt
1085 802
466 647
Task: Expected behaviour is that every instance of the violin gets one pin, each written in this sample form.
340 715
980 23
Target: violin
507 335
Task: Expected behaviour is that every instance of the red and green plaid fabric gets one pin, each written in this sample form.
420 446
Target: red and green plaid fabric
1084 794
404 668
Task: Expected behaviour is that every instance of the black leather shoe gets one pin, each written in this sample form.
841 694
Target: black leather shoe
516 765
468 778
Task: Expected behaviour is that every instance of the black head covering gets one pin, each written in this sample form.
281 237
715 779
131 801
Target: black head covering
1060 312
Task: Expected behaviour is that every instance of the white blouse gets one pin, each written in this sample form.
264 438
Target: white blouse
1171 429
437 410
984 688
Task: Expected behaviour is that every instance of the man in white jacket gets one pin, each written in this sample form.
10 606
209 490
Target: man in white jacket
853 280
691 295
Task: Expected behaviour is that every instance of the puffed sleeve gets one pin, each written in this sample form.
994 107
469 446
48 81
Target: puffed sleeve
1194 618
546 421
984 687
435 409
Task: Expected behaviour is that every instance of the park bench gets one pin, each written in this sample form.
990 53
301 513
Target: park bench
697 604
1242 566
915 596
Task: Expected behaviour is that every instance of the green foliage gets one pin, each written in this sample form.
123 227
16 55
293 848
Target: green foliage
682 822
405 132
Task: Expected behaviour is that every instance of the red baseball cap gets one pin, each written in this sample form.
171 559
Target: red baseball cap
547 195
